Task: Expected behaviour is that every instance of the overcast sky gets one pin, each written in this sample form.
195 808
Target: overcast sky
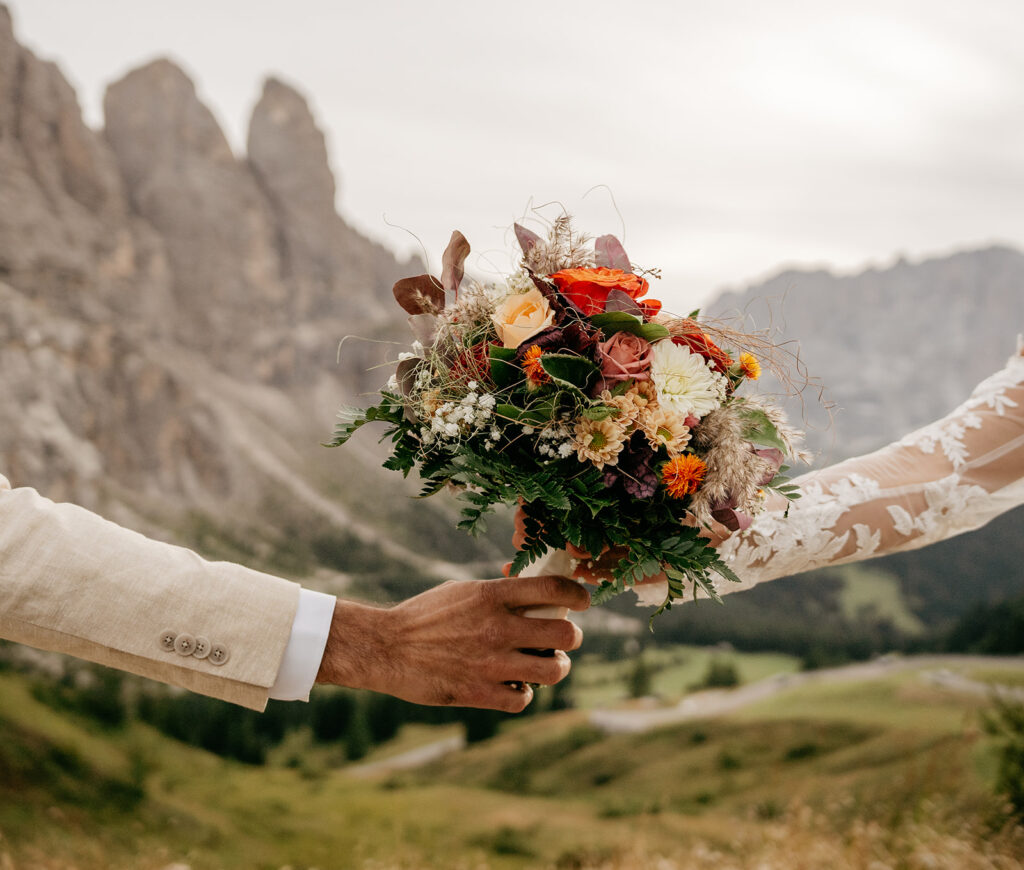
735 136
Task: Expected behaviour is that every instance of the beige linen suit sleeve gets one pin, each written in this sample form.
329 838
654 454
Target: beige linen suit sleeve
75 583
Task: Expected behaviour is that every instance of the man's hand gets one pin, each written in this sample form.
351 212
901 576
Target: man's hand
457 644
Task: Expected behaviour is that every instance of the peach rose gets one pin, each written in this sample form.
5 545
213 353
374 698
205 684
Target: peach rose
522 316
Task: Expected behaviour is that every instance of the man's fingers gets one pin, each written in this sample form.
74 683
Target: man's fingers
535 591
533 633
508 699
546 671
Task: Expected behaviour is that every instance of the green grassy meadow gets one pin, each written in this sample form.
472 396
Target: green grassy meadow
674 670
888 772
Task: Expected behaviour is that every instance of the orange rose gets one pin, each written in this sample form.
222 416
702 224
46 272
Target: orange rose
588 289
688 334
521 316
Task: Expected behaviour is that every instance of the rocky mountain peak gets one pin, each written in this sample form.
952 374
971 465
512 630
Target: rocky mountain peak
62 190
154 117
9 50
288 150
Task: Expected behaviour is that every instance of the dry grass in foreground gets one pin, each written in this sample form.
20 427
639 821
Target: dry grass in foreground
804 841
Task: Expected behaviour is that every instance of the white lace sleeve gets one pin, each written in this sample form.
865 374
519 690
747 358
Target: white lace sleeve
950 477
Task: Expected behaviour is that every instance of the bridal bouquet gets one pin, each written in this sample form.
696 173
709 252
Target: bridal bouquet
563 388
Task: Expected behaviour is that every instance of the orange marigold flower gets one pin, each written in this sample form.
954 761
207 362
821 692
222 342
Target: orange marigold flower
531 365
751 367
683 475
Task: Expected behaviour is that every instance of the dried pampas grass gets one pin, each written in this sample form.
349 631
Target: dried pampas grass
564 248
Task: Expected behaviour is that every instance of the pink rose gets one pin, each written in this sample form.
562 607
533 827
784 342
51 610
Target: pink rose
623 357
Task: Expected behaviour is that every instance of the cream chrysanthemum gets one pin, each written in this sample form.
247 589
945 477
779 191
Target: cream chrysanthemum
643 394
599 441
624 404
684 382
663 428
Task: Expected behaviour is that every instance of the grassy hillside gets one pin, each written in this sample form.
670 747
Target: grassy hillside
840 774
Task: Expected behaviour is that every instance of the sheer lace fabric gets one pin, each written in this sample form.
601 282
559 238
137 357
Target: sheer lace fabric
947 478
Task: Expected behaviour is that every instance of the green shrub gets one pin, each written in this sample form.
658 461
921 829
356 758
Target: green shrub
1006 721
639 680
802 751
721 674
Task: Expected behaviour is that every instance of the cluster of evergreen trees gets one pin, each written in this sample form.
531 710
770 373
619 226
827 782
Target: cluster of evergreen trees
354 721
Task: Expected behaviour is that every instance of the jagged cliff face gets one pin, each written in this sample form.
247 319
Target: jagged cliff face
170 313
896 348
156 219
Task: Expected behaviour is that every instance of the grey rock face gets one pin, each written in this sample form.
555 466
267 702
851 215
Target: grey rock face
182 178
65 231
155 290
323 261
896 348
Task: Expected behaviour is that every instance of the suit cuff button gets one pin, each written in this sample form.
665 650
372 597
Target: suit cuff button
185 644
219 654
202 647
167 639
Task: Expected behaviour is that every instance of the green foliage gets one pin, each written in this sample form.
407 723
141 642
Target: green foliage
782 485
620 321
350 419
97 693
507 840
504 371
216 726
1006 722
481 724
721 674
564 501
910 777
803 751
569 370
759 429
638 683
990 629
29 763
358 739
331 714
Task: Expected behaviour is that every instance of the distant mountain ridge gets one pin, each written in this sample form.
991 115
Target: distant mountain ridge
896 347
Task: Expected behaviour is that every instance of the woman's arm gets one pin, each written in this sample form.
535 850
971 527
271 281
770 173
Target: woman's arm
947 478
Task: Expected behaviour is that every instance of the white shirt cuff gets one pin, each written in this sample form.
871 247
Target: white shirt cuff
305 648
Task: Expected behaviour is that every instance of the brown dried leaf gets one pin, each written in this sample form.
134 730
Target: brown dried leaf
611 254
452 260
620 301
419 295
527 238
406 375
